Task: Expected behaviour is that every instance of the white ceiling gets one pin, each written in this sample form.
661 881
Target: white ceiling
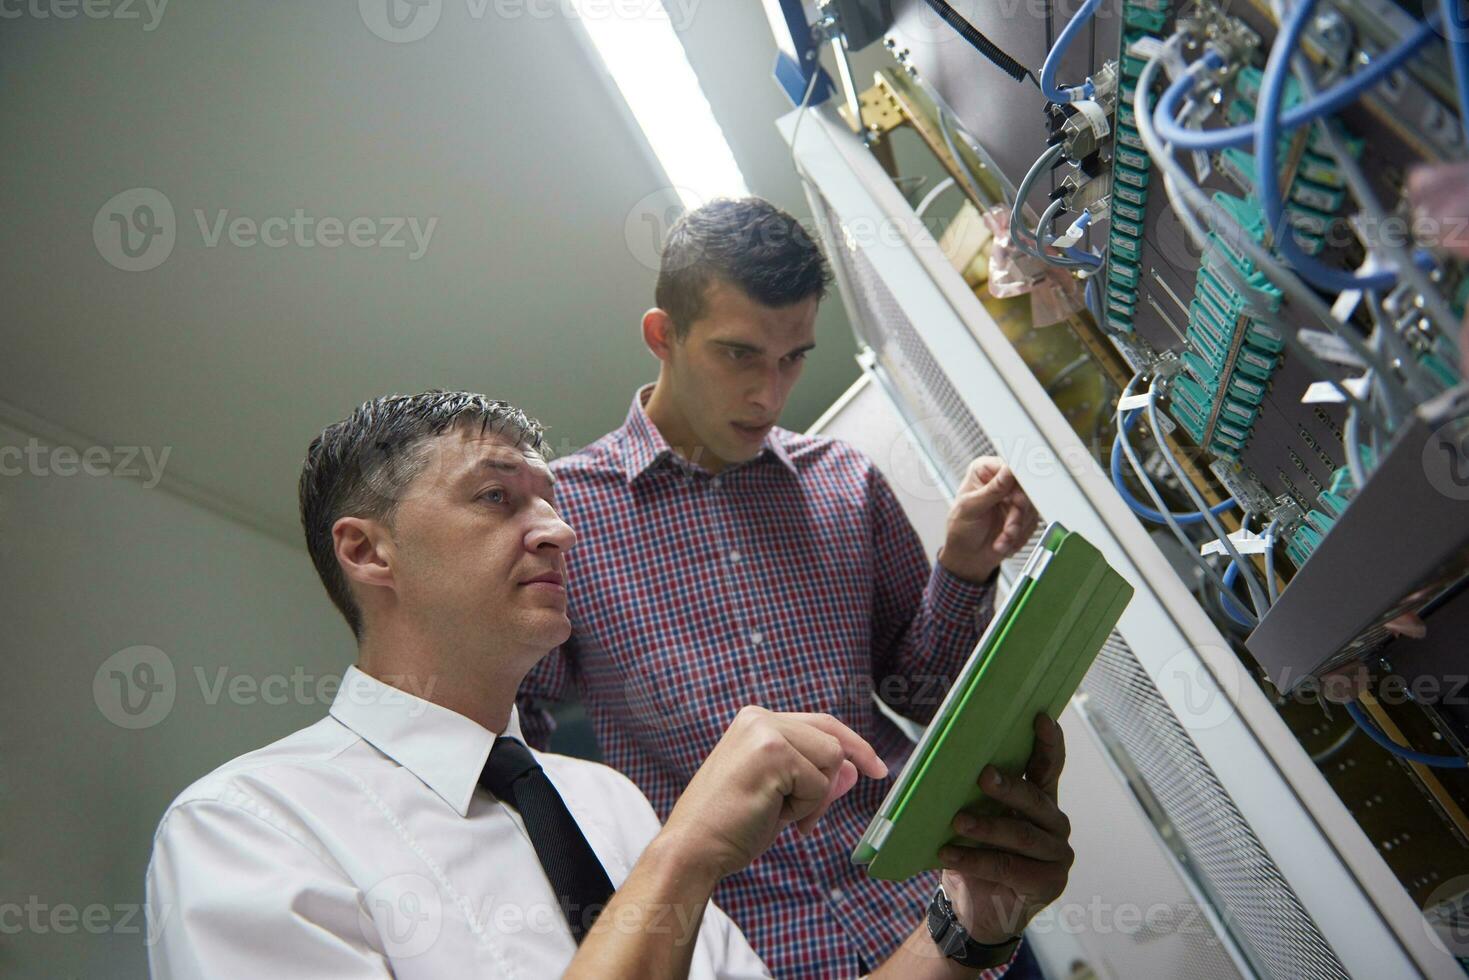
505 129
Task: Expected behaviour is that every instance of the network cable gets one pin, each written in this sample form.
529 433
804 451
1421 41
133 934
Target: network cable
1137 506
1338 97
1402 751
1093 299
1067 242
1190 548
1271 589
1283 278
1433 304
1257 592
801 114
1458 37
1186 195
1267 177
1421 384
1341 742
1020 235
933 195
1085 90
972 185
1077 256
1227 602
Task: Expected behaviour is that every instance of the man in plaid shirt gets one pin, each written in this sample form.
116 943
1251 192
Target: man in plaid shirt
724 561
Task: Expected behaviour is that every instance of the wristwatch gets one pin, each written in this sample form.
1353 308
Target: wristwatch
955 942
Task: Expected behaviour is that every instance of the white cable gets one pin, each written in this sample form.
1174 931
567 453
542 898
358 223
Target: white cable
932 195
1246 570
1175 178
1272 590
1353 439
1356 181
1189 547
801 114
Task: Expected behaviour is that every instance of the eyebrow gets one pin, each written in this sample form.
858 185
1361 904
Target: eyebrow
753 349
503 465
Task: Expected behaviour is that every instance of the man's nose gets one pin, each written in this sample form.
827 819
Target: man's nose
550 531
769 393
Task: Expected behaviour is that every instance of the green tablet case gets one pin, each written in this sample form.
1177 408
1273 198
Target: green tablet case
1030 659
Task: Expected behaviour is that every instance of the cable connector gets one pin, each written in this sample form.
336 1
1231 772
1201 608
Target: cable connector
1088 194
1073 234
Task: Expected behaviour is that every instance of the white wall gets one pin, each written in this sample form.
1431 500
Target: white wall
93 565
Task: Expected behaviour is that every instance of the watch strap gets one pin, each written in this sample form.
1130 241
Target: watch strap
955 942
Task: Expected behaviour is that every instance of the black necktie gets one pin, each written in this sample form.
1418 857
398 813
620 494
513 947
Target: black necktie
577 877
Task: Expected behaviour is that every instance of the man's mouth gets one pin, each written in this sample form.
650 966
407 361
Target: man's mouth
753 431
545 581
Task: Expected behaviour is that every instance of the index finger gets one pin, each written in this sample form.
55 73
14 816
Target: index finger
985 467
863 756
1048 757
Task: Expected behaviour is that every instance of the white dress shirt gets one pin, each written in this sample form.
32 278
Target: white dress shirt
363 846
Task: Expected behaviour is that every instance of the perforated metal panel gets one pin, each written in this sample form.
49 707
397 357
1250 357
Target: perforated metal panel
1193 812
1228 862
947 431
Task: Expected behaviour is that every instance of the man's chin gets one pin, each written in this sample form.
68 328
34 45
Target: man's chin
553 630
735 455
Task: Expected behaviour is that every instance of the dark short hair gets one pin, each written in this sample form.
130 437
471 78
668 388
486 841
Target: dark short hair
749 243
361 466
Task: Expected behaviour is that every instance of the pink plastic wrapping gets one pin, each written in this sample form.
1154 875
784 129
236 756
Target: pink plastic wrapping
1054 293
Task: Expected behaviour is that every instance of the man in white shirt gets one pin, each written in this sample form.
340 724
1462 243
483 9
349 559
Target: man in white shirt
410 833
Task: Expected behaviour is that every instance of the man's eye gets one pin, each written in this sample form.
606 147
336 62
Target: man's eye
738 355
495 496
797 357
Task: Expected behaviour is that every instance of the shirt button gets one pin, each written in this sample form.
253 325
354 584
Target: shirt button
756 637
734 557
714 483
837 895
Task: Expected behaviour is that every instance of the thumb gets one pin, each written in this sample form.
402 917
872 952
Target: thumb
994 490
844 779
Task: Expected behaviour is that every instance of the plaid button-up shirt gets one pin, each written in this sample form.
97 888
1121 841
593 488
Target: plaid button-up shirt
793 581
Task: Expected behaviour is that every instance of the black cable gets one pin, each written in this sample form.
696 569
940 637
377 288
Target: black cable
1439 600
982 44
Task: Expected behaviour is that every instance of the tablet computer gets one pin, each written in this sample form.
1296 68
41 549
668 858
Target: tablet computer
1030 659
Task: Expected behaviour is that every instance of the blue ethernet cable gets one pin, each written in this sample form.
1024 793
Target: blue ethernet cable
1085 90
1325 103
1402 751
1267 178
1458 35
1227 601
1137 506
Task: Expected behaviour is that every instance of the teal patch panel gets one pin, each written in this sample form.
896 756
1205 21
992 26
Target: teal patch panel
1130 168
1129 211
1231 357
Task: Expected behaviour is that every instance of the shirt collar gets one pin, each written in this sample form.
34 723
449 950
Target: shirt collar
444 749
643 445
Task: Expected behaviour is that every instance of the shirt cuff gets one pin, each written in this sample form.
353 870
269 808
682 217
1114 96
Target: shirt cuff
958 600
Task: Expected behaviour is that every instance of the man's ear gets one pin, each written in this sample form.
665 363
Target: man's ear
364 550
659 333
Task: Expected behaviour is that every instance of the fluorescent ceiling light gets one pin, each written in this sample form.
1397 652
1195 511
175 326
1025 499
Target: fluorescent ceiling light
648 62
